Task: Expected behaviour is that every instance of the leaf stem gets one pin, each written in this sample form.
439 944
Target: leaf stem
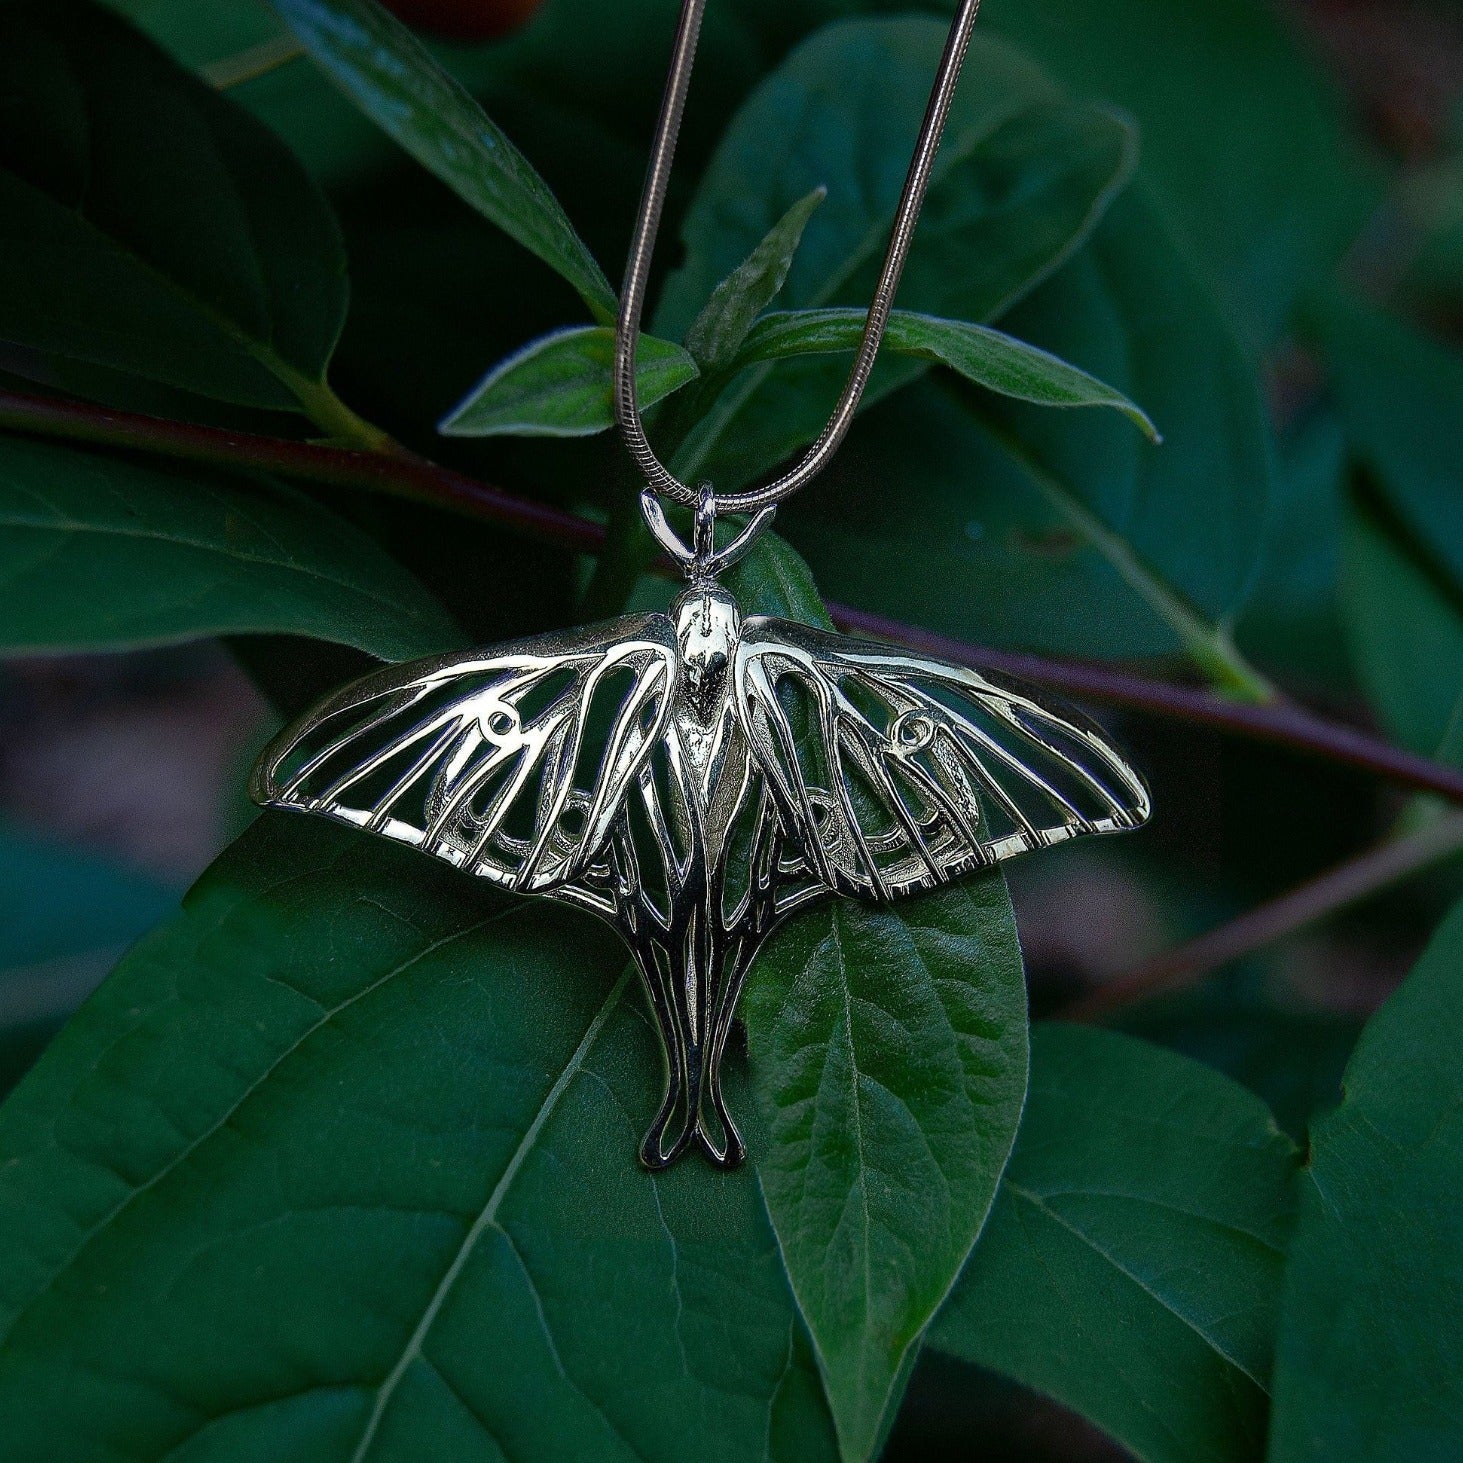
252 63
332 415
406 475
1379 868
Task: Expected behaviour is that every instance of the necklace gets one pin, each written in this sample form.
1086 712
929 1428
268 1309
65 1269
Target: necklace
695 777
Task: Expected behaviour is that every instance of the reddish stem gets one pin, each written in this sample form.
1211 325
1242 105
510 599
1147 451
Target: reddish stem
401 473
415 477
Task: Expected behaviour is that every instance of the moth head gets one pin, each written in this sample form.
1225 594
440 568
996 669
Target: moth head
708 624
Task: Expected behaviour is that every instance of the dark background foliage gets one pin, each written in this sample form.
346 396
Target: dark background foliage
338 1162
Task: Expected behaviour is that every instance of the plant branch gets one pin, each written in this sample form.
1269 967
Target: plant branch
1348 883
400 473
409 476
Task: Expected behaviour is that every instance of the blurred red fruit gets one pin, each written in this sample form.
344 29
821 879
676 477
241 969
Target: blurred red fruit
464 20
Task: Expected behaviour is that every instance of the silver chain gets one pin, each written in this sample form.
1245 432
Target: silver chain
659 479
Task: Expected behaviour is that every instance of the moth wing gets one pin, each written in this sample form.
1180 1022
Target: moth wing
894 773
510 763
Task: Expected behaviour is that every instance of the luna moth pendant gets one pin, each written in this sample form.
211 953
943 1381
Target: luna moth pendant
693 778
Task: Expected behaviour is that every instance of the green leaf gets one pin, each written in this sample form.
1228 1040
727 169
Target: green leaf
382 67
1022 177
888 1062
971 550
716 334
1132 1264
154 227
562 385
1405 628
1366 1364
1291 620
1289 1055
888 1058
341 1162
842 109
980 354
1009 514
1401 398
1269 199
774 579
227 39
1184 523
98 552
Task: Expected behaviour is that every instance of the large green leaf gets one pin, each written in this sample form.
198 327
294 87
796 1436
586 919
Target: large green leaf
1270 196
562 385
1288 1054
888 1059
152 226
1401 398
1021 178
1184 522
1132 1265
392 77
924 517
1367 1362
840 113
1004 509
340 1164
97 552
1291 620
1405 625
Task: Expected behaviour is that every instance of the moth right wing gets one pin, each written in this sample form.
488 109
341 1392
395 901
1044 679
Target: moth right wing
896 773
510 763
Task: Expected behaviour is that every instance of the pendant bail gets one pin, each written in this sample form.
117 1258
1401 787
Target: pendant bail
703 560
703 535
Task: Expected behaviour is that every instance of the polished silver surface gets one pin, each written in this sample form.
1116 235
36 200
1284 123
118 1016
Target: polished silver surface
657 476
701 559
693 779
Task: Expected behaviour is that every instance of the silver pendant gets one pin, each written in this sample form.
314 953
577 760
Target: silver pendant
694 778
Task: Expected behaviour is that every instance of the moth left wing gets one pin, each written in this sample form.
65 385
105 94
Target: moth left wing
510 763
894 773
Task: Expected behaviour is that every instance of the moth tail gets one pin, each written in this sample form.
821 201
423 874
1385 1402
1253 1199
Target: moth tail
693 1114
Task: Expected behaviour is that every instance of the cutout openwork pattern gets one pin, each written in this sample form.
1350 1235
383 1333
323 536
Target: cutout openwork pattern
693 778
